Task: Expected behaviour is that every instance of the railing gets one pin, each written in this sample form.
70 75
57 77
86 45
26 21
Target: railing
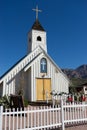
42 117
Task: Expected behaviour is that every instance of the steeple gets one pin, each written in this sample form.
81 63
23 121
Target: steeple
37 26
37 35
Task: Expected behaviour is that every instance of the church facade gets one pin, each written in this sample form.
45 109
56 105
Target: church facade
36 74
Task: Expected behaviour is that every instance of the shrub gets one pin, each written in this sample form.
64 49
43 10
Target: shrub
5 101
26 103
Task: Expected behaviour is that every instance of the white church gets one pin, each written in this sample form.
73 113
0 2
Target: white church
36 74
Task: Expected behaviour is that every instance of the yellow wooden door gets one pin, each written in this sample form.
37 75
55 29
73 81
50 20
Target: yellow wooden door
43 89
39 89
47 89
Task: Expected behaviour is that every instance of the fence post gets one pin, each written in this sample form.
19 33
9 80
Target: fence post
1 112
62 114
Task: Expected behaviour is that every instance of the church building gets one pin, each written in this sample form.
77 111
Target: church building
36 74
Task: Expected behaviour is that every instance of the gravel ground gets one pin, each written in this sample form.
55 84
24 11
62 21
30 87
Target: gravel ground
78 127
81 127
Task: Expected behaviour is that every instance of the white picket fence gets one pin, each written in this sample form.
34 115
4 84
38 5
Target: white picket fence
43 117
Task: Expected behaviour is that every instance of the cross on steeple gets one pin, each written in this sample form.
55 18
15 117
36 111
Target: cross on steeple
37 10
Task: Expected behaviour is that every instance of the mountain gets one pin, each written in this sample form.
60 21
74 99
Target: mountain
80 72
77 76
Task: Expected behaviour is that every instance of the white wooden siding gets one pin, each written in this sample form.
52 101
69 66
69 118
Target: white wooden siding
58 81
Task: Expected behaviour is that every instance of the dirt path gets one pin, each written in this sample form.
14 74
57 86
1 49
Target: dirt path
80 127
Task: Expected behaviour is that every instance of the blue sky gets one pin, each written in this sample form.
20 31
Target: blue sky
65 22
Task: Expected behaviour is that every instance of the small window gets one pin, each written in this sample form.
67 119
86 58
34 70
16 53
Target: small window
43 65
38 38
85 89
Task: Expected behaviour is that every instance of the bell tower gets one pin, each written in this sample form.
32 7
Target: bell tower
37 35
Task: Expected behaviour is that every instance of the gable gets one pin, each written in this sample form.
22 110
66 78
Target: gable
16 68
27 61
49 59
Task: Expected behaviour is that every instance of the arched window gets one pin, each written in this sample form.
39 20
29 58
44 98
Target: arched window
38 38
43 65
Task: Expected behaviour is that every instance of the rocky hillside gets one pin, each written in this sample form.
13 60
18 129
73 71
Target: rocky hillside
80 72
78 75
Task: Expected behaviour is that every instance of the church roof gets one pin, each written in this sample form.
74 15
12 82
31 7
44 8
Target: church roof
37 26
42 51
12 67
17 64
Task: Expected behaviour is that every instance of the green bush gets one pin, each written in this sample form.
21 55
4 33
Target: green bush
5 101
26 103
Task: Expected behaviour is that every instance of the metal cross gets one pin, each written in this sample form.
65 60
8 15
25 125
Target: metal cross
37 10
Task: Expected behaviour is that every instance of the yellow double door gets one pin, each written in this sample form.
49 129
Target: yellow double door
43 89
